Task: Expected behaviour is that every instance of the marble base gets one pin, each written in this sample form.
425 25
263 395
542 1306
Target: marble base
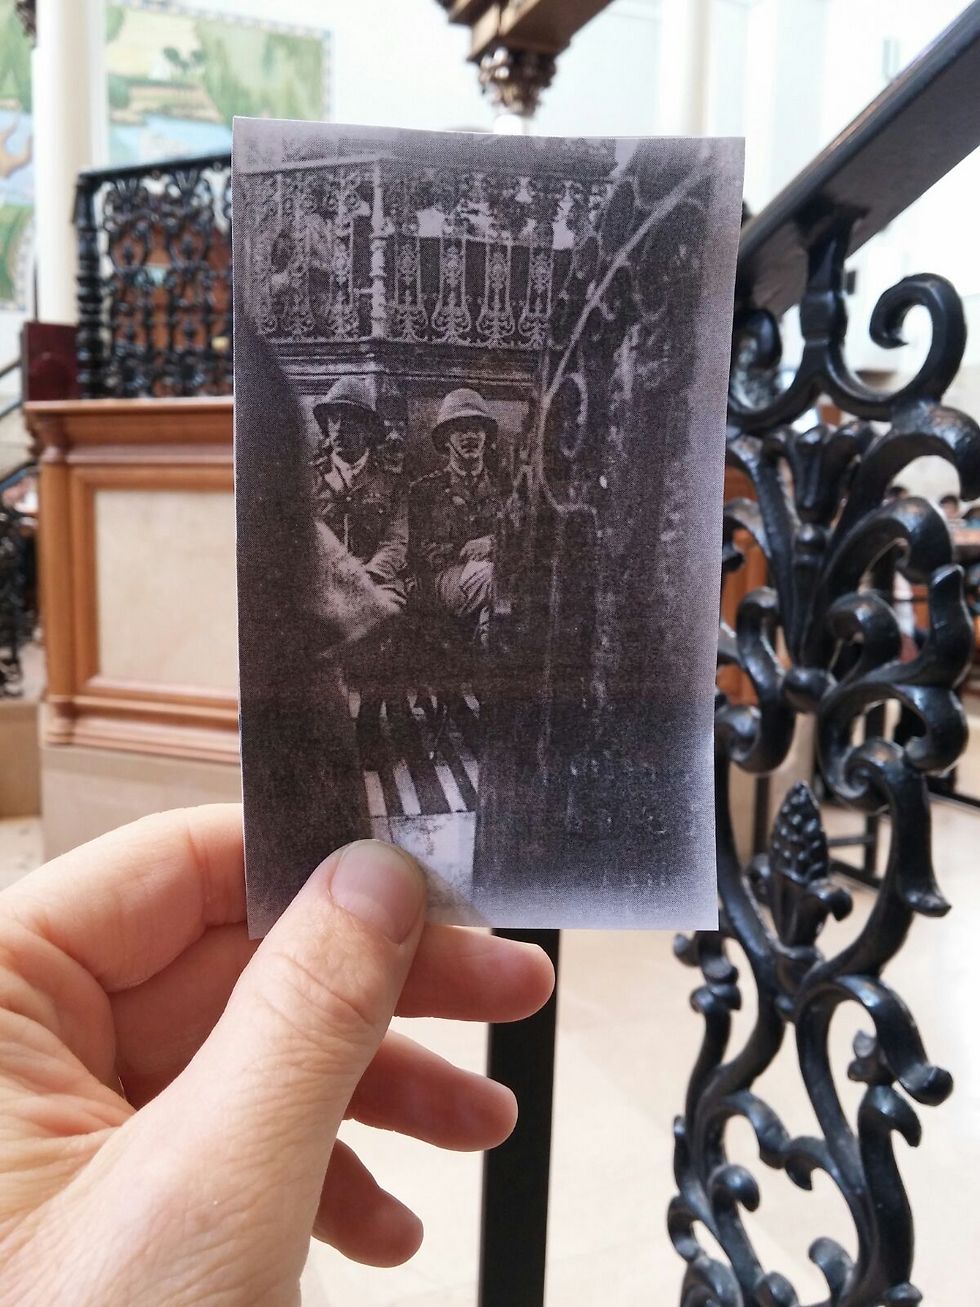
86 792
20 769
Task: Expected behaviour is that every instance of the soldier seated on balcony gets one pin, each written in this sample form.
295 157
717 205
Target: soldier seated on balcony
363 503
361 500
453 515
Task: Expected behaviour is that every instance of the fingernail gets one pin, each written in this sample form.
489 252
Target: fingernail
381 886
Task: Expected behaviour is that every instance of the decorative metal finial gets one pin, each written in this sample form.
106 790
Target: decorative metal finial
514 79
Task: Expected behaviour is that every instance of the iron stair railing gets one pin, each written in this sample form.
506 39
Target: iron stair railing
831 546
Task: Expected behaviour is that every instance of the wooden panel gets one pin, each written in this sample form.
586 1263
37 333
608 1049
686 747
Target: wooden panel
92 446
165 445
750 576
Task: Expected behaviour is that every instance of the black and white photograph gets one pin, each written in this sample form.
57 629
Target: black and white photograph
480 387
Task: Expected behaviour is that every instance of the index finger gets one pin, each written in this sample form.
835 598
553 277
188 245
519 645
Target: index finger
127 904
130 903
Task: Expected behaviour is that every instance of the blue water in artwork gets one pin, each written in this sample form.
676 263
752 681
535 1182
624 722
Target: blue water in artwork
162 137
18 187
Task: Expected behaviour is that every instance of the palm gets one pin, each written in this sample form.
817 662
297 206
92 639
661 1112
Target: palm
115 965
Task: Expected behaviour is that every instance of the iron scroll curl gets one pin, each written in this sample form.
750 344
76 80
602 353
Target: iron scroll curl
822 640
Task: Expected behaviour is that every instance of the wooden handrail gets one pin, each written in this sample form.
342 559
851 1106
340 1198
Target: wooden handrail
921 126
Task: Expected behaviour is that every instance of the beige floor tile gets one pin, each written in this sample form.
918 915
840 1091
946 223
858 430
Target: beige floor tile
20 848
627 1040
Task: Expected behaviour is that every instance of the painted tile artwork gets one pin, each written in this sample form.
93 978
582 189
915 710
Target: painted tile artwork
177 75
480 389
16 160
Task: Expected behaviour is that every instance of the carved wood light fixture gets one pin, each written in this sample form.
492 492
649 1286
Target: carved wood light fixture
515 43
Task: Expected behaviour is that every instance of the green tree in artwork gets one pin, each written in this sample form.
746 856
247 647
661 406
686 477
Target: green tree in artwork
250 72
229 94
13 223
118 90
115 16
185 69
15 58
294 66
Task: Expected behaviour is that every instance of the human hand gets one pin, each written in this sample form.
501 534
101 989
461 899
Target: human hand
170 1092
476 550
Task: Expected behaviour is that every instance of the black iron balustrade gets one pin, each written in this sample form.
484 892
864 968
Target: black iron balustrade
832 540
359 247
821 639
16 620
372 243
154 279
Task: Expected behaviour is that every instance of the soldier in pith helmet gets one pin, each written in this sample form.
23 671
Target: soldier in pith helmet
361 500
453 512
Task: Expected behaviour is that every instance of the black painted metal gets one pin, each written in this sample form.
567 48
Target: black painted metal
516 1175
831 543
154 278
13 615
12 606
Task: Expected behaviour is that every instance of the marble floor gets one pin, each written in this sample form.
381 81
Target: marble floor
627 1040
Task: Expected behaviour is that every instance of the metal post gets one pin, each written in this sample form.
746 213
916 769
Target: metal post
89 344
516 1175
379 307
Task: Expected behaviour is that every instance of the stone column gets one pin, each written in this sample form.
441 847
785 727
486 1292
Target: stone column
69 116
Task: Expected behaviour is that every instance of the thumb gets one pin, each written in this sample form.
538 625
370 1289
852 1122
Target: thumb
272 1082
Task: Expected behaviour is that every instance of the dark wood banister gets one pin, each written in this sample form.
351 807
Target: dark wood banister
919 128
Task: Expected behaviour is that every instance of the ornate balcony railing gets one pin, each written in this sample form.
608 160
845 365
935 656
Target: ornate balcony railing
832 540
361 247
818 639
377 247
154 279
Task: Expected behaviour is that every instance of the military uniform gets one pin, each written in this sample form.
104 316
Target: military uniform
363 504
446 510
365 508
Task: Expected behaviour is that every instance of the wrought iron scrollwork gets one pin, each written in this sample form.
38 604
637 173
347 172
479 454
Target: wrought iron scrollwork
154 280
365 247
13 616
822 640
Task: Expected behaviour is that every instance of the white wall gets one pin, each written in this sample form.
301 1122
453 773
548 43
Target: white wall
400 62
394 61
786 74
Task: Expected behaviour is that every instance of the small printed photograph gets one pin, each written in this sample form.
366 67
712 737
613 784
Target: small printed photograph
480 392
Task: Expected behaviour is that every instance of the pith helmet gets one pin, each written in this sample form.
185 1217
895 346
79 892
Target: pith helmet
354 393
458 405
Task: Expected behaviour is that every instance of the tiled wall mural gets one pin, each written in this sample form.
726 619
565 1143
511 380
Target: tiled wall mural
16 167
177 75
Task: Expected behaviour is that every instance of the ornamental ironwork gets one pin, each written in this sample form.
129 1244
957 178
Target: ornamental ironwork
154 279
362 248
13 615
822 640
388 249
